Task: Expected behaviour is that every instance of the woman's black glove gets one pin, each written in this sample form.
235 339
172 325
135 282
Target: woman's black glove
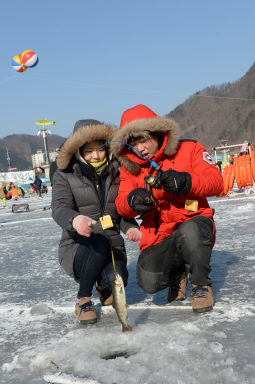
173 181
139 200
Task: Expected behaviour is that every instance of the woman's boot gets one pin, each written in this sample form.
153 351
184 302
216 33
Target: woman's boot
85 311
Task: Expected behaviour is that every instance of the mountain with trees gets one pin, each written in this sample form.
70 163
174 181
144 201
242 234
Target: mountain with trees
21 147
220 112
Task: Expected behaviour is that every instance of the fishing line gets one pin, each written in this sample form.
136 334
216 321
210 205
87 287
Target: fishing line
153 163
8 78
113 262
225 97
105 86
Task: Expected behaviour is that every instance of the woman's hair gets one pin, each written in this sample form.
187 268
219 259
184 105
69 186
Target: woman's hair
81 149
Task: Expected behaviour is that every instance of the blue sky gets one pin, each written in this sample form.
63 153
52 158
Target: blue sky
98 58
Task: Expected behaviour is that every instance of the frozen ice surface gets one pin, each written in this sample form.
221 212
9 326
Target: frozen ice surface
39 334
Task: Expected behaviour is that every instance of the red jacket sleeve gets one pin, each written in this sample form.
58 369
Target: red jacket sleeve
206 177
127 184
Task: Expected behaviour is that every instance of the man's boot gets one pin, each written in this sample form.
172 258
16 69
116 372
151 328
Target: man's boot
104 295
85 311
177 290
202 298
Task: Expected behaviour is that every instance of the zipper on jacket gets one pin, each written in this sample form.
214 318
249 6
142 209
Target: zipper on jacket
96 189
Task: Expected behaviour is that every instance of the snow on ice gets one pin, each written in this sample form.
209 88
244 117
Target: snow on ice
39 334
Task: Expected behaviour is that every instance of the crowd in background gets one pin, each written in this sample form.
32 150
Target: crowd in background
12 191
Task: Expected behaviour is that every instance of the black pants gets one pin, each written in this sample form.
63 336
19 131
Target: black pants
93 262
191 243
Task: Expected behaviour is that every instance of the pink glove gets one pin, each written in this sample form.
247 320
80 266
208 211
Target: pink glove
133 234
83 225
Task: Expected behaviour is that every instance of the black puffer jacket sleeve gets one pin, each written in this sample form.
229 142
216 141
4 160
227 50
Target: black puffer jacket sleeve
63 208
125 224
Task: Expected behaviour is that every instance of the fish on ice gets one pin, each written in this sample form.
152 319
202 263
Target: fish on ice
119 301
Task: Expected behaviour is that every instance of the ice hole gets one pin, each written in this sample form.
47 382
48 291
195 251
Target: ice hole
115 354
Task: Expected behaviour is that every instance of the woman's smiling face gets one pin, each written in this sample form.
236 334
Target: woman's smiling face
92 153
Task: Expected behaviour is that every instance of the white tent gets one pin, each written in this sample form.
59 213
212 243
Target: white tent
21 177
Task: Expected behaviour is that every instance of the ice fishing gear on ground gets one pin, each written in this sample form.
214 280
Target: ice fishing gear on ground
18 208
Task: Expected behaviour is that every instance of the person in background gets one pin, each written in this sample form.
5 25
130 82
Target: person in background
244 148
4 193
38 186
219 163
176 220
22 192
45 189
14 192
53 166
231 158
84 189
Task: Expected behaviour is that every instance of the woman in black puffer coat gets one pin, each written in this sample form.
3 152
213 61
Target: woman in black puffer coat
84 190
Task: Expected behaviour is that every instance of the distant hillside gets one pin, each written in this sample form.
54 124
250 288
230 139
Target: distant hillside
220 112
21 147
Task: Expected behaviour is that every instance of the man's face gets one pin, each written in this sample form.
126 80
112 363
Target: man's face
147 147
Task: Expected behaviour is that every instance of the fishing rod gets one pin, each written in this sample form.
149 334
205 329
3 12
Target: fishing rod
152 181
153 163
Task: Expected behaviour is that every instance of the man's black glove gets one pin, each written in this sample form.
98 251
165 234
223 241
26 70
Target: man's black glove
139 200
173 181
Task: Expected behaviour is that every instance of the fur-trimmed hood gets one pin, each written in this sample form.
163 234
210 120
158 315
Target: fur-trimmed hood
85 134
135 126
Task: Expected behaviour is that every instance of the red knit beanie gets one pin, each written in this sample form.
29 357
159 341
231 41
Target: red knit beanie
138 112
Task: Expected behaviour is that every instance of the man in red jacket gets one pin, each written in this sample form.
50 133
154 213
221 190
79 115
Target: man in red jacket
166 180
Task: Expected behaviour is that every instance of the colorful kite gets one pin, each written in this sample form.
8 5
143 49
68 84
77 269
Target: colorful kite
17 64
28 59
